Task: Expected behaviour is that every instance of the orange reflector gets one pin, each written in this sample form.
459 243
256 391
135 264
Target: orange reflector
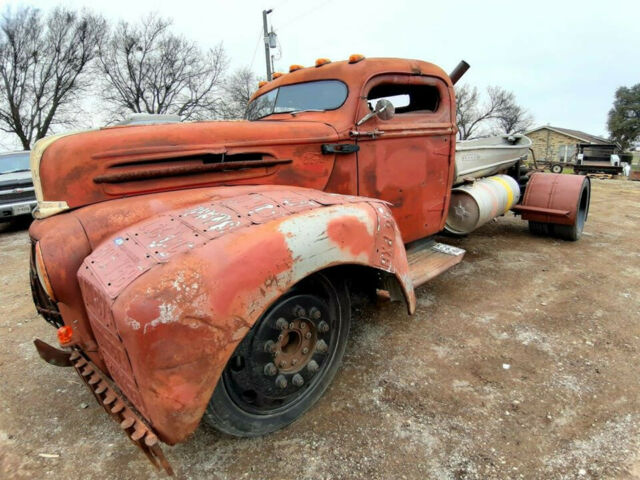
322 61
64 335
295 67
276 75
262 84
355 58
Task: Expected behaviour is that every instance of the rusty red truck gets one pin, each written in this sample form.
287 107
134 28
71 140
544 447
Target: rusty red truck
203 271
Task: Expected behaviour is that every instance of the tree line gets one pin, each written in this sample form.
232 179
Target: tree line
50 62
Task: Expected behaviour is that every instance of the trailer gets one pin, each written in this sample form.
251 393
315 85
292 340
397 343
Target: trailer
597 159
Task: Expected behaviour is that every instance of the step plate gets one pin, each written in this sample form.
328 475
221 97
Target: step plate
431 260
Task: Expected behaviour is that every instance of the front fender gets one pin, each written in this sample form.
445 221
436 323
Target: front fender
170 298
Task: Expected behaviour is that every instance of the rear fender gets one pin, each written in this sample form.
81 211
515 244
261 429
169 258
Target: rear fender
171 298
554 198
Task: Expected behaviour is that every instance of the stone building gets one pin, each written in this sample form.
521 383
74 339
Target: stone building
556 144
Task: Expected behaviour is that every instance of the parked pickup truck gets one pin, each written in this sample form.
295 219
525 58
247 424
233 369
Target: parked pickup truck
203 271
17 197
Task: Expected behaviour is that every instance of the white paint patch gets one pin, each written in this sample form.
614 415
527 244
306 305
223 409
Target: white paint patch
168 313
160 243
310 246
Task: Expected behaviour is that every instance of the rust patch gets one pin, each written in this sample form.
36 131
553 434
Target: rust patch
351 234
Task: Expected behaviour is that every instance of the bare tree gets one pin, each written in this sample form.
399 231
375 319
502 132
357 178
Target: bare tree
471 115
513 118
43 66
149 69
238 88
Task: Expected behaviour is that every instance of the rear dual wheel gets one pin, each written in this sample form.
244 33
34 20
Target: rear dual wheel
285 362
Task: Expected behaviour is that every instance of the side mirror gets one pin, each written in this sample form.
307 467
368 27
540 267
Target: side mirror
384 110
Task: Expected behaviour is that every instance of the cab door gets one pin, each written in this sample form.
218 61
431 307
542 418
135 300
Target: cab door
407 160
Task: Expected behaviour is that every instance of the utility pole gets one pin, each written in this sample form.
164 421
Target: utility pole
267 53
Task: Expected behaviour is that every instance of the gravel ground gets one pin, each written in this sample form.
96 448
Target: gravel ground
521 362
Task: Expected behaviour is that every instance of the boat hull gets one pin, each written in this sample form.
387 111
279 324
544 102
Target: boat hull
487 156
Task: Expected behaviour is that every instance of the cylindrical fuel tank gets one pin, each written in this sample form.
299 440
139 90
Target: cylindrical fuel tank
474 204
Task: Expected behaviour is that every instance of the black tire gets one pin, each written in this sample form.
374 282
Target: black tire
574 232
557 168
539 228
249 399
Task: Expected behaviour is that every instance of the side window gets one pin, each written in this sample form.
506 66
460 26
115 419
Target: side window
406 98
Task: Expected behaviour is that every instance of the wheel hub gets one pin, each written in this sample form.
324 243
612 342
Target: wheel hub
295 345
284 354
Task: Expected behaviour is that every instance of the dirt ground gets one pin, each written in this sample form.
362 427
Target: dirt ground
521 362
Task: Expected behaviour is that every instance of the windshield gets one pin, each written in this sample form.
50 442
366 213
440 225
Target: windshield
311 96
14 162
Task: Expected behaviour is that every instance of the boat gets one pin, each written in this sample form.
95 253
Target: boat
487 156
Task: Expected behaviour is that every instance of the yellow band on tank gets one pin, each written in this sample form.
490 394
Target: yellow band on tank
507 188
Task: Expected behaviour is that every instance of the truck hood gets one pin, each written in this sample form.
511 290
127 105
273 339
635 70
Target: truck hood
77 169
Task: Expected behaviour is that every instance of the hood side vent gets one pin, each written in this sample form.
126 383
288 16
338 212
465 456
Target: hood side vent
146 169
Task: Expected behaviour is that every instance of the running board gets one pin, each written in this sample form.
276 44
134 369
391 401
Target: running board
430 260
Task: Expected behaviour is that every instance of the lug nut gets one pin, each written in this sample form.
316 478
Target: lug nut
292 325
323 327
307 335
269 346
321 346
315 313
270 369
303 325
297 380
305 350
294 361
298 311
283 364
281 381
312 366
281 323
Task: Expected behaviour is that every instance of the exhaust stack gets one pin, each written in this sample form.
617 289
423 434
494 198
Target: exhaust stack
459 71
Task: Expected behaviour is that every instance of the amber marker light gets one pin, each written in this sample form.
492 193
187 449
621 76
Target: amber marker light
355 58
262 84
65 334
277 75
322 61
295 67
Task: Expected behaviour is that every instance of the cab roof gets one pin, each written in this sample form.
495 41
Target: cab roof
355 73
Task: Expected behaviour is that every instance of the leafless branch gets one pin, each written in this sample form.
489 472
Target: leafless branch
499 111
43 68
148 69
238 88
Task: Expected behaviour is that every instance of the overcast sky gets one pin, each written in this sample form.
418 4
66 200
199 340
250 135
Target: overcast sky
562 59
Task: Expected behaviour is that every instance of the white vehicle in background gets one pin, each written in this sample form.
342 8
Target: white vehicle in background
17 195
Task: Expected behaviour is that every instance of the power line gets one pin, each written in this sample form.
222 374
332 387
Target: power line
255 50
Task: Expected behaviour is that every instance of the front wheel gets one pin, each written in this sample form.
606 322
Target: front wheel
285 362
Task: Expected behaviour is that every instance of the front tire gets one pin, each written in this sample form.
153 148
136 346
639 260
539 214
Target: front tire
286 361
